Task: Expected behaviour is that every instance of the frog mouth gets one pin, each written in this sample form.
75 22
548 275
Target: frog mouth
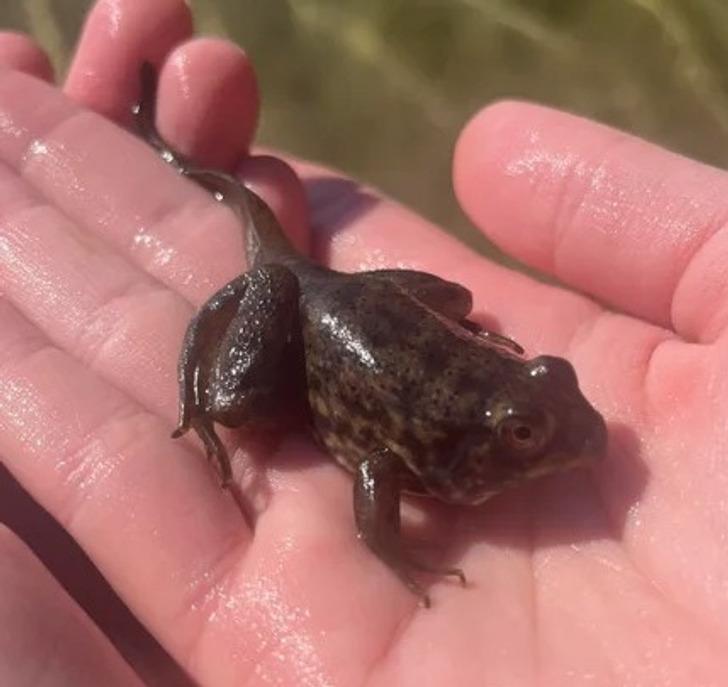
593 448
560 463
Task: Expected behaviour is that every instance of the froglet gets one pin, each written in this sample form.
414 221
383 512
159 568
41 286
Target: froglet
401 388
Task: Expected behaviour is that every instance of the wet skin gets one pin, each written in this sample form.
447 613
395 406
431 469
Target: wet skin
401 388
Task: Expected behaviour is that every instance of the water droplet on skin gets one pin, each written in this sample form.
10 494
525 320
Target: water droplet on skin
161 254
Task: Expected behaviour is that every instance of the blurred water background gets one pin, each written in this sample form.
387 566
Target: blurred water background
380 88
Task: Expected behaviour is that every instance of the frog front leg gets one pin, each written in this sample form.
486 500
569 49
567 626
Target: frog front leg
448 298
377 490
235 355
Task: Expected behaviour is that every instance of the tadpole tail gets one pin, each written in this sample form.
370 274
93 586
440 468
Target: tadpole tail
264 237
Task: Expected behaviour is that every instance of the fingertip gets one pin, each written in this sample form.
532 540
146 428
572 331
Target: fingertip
481 133
483 158
605 212
475 167
276 182
512 171
20 52
208 101
507 125
117 37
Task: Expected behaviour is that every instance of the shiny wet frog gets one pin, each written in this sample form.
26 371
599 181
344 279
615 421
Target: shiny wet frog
401 388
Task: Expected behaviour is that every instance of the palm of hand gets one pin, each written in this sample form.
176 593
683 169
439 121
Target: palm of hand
104 253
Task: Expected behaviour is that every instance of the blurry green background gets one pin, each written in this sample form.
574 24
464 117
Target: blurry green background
380 88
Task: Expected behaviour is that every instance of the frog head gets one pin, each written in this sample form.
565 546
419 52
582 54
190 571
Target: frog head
539 423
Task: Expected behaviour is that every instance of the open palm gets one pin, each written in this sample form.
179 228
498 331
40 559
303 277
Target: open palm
616 576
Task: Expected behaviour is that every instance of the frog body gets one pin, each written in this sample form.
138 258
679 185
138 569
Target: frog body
402 389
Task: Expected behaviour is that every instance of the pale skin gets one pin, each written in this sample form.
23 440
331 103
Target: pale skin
615 576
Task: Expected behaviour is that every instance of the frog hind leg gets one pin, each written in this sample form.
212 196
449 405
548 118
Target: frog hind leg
448 298
236 356
377 492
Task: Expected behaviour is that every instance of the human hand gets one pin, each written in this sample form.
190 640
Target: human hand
598 576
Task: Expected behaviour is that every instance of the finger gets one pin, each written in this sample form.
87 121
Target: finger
20 52
634 225
167 225
45 638
108 472
208 102
94 304
73 570
117 37
356 230
90 301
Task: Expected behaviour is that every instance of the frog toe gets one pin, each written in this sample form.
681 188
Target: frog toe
179 431
214 448
443 572
415 587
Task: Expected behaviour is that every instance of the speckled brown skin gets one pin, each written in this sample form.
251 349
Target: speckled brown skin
402 389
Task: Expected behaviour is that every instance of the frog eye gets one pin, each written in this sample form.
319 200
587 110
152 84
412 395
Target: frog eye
520 433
